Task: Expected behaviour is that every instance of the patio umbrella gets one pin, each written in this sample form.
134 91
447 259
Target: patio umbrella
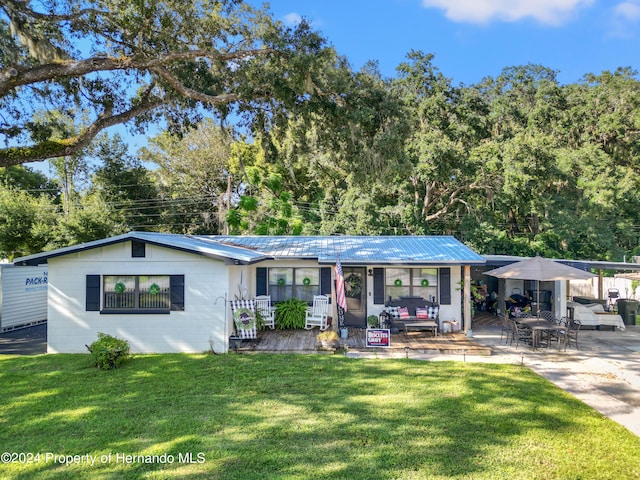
541 270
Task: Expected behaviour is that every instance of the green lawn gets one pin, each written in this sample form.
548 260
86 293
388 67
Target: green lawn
299 417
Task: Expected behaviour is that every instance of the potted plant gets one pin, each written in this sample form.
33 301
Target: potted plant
290 314
328 339
372 321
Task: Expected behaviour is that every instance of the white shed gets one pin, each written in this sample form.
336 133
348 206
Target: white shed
23 296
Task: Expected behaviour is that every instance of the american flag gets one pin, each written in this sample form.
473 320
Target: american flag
341 299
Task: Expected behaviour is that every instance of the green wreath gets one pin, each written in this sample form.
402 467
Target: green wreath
398 283
244 319
281 282
424 282
119 287
353 285
306 281
154 289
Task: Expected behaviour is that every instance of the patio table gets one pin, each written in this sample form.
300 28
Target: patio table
426 325
538 326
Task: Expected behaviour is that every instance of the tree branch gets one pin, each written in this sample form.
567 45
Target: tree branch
453 199
13 77
69 146
193 94
16 7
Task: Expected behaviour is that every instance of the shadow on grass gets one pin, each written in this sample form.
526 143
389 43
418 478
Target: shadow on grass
301 416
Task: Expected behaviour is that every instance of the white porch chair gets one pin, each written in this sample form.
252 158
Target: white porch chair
318 314
263 307
244 318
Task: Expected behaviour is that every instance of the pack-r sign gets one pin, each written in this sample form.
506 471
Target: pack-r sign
378 337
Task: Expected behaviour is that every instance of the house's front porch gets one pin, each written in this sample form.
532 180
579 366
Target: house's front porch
304 341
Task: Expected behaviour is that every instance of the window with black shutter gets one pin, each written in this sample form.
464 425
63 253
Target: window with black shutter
123 294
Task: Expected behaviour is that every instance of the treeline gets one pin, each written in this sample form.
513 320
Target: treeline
517 164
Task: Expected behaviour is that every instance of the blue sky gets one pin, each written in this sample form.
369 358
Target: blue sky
472 39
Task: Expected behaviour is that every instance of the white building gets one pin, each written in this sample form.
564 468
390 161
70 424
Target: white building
170 293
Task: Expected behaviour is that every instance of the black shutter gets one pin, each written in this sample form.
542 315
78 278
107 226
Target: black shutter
93 293
325 281
445 286
176 286
378 286
261 281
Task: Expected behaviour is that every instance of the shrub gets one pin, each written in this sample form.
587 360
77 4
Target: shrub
328 336
290 314
109 352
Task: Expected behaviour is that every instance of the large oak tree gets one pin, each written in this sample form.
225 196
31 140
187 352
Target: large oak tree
108 62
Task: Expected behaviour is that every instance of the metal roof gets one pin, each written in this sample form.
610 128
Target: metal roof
501 260
185 243
352 250
361 249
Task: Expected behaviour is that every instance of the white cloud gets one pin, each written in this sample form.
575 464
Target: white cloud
623 23
629 11
292 19
552 12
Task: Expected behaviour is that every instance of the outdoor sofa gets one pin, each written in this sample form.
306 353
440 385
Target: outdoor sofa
414 313
594 316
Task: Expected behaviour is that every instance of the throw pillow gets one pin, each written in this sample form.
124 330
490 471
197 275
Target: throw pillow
404 312
422 312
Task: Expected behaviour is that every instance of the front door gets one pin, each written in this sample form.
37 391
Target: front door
355 289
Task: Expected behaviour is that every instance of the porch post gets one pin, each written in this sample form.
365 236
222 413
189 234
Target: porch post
467 298
600 281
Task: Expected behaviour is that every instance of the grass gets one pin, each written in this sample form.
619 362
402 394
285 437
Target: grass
299 417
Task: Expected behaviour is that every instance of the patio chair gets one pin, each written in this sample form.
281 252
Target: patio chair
318 315
572 333
507 330
547 335
244 318
547 315
521 334
267 313
559 336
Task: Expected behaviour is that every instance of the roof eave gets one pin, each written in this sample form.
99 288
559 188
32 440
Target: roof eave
40 258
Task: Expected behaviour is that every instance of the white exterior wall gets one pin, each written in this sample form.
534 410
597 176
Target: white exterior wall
452 312
23 296
199 328
447 312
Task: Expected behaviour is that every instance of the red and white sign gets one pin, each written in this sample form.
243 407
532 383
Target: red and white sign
378 337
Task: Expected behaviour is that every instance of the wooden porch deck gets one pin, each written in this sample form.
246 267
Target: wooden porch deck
304 341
